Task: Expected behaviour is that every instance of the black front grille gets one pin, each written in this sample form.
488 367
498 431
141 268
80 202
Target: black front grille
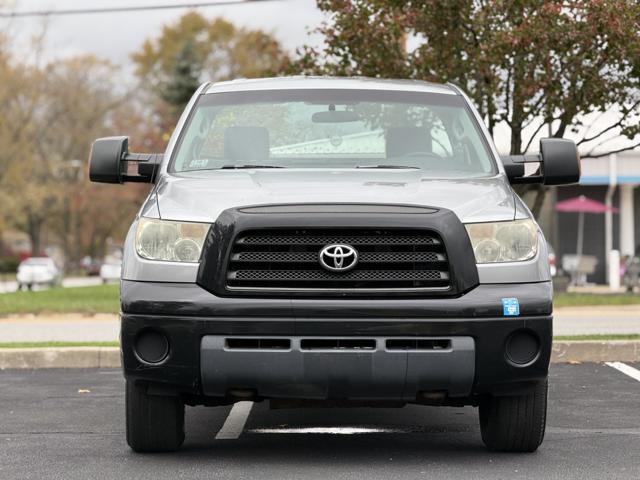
288 259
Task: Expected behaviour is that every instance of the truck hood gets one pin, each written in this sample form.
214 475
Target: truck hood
202 196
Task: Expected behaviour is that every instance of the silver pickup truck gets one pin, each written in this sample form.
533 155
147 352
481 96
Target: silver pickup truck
334 242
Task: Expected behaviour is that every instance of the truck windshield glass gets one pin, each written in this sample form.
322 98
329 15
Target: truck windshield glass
333 129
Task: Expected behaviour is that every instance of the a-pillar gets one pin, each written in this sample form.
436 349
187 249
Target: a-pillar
627 228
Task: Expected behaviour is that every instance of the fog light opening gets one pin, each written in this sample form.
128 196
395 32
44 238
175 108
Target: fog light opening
152 346
522 348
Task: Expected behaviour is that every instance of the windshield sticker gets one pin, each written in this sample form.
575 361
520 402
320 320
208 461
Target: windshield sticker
510 307
198 163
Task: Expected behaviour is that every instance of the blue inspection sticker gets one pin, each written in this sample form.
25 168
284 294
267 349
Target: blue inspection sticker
510 307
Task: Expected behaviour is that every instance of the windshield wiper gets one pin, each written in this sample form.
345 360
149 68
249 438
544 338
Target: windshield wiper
248 166
388 166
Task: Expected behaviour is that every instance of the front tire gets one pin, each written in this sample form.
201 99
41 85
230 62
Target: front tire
154 423
514 423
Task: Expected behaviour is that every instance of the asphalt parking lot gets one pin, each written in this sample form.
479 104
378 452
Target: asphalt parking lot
67 424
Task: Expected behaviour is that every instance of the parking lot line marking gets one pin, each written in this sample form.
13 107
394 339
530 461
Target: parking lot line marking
626 369
328 430
234 424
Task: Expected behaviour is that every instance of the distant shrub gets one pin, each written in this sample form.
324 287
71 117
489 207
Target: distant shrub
9 264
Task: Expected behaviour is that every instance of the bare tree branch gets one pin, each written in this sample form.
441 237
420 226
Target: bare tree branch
619 123
605 154
533 136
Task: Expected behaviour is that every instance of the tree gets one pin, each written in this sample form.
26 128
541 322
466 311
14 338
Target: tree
19 96
526 62
183 80
60 108
534 65
195 49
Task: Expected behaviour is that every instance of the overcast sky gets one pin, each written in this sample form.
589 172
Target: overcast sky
116 35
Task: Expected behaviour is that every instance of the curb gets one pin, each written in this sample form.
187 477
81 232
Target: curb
596 351
60 357
109 357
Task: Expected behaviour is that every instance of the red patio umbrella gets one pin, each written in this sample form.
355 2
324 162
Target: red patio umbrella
583 205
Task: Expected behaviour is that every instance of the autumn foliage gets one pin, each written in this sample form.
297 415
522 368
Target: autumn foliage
534 65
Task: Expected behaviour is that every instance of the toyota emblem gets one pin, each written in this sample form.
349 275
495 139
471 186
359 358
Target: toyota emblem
338 258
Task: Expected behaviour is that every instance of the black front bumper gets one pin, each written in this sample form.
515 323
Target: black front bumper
186 314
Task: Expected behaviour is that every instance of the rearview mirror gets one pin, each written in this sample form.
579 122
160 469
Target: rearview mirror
110 158
559 164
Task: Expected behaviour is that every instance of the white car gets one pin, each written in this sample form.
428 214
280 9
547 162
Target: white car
110 271
38 271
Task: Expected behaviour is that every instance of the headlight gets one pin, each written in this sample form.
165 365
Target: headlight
170 241
503 241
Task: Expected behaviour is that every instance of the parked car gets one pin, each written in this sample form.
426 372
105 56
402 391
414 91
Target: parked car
334 241
38 271
111 270
91 266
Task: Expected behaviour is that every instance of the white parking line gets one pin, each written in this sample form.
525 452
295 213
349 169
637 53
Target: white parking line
328 430
234 424
626 369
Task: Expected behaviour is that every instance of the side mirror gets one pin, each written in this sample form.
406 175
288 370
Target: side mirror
513 169
558 159
110 158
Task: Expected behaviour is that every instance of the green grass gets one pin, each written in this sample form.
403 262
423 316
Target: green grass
98 299
591 299
58 344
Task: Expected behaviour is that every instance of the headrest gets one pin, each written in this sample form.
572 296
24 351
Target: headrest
248 144
401 141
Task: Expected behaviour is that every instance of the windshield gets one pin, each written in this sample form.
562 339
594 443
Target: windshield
37 261
333 129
